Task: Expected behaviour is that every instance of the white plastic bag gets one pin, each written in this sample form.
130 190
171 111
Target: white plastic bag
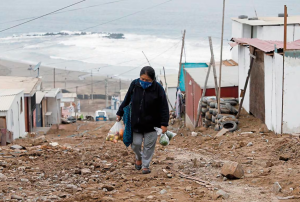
115 133
170 135
164 140
158 130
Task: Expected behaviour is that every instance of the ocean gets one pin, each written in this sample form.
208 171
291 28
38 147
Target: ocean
108 37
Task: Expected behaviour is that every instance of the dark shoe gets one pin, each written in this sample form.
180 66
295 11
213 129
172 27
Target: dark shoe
138 167
146 171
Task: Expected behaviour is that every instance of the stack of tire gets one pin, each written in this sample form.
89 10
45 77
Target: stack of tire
226 119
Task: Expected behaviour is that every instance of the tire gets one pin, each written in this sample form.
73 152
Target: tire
215 112
231 108
232 103
208 116
211 110
204 109
203 105
229 125
213 119
212 105
225 111
221 105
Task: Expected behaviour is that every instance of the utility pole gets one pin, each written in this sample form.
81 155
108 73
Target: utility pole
221 62
92 90
53 77
76 102
106 93
182 46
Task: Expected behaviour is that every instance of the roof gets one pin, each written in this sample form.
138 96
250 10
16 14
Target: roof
52 92
269 21
7 97
69 95
28 84
6 92
267 46
172 80
39 96
230 76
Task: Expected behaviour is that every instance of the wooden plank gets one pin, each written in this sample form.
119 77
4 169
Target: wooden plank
2 122
253 56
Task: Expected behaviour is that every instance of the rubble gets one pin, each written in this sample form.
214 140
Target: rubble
223 194
276 188
232 170
284 157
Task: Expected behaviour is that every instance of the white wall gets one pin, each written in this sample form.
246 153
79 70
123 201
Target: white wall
276 33
244 65
53 105
273 92
15 120
291 107
172 96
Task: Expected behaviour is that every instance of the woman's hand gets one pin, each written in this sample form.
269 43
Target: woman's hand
119 118
164 129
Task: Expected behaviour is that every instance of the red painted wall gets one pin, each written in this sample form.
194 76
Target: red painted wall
26 114
194 93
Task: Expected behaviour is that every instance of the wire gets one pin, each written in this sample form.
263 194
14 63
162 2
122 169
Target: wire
41 16
125 16
65 11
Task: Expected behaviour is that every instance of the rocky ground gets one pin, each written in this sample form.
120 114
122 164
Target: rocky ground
75 163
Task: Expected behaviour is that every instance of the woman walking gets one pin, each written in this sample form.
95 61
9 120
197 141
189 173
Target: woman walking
149 109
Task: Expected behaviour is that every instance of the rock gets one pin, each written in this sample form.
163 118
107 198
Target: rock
78 172
188 188
85 171
194 134
150 197
108 187
125 153
38 141
269 164
284 157
16 197
222 193
232 170
71 186
225 179
216 164
250 144
14 147
242 144
107 199
2 177
276 188
163 191
24 180
169 175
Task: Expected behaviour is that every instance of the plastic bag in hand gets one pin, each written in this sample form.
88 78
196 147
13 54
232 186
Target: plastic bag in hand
164 140
170 135
115 133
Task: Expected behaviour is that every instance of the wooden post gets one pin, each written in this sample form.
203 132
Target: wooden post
284 49
214 65
203 94
183 38
221 62
167 89
53 77
285 27
76 102
246 83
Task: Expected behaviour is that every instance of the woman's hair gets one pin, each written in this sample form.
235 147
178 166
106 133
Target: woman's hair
149 71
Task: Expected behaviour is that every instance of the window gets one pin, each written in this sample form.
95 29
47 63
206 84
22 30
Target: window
21 105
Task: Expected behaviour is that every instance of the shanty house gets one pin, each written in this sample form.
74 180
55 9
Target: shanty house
12 114
264 28
182 72
172 83
195 80
29 86
272 94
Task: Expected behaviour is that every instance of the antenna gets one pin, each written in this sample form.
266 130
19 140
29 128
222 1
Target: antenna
146 58
37 67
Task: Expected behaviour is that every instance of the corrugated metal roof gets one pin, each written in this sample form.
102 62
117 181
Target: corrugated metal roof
52 92
267 46
6 102
269 21
27 84
230 76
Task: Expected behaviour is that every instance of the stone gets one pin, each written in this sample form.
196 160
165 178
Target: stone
188 188
14 147
232 170
169 175
194 134
163 191
276 188
78 172
24 180
71 186
250 144
269 164
224 178
284 157
150 197
125 153
85 171
16 197
222 193
2 177
108 187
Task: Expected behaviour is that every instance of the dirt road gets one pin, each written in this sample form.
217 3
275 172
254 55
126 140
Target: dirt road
83 167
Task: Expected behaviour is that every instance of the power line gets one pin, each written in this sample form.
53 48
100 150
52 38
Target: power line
125 16
41 16
76 9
